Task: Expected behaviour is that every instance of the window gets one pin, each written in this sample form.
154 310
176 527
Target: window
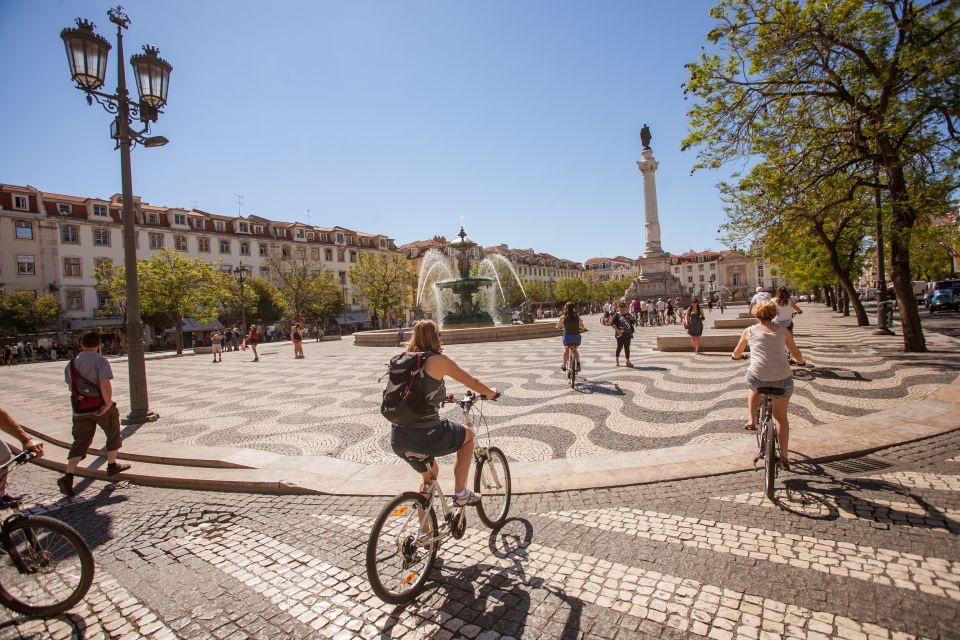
24 230
773 283
324 237
198 223
299 233
218 225
203 244
759 283
101 237
383 243
264 249
265 273
99 262
760 270
100 210
258 229
224 246
244 248
339 238
71 268
103 301
353 256
156 240
701 278
340 255
26 266
74 298
350 240
689 268
180 242
180 218
153 218
699 267
63 209
285 251
315 253
328 254
244 227
343 277
736 279
20 202
689 278
676 270
311 235
699 258
70 234
713 266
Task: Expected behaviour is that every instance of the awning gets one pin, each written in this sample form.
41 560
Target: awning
355 317
190 325
79 324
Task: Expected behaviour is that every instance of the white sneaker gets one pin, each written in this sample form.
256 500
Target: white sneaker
466 499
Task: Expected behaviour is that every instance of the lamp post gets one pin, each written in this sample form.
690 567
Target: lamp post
87 54
241 271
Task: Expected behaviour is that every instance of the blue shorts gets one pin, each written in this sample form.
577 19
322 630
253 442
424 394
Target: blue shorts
572 341
439 439
786 384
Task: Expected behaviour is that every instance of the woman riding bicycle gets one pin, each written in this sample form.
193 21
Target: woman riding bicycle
432 435
572 325
769 367
786 308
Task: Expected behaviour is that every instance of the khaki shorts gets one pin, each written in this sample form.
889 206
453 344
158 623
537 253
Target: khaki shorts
85 426
217 348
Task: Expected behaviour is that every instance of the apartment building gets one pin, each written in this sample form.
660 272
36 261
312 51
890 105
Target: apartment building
733 274
531 265
51 242
605 269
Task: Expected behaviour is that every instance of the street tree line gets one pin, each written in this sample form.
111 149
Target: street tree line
847 112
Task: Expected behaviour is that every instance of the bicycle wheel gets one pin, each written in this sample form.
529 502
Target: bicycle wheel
572 370
770 459
491 481
47 569
398 563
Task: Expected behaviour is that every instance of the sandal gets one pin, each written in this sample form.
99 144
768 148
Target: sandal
750 426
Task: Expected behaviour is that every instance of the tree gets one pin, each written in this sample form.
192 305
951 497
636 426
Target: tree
324 297
571 290
305 286
172 288
267 303
385 281
932 249
25 312
536 290
863 89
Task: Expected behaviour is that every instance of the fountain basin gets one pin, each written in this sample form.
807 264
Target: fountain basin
499 333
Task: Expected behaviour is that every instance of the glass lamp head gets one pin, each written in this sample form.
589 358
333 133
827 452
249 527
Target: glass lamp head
87 54
153 77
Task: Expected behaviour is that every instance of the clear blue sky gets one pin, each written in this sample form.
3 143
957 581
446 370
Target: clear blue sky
384 116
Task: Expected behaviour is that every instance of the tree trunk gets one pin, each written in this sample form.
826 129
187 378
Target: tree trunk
179 334
846 302
913 339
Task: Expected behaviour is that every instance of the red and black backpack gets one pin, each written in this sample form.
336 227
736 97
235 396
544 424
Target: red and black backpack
404 400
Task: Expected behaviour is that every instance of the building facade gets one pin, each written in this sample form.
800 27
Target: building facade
731 274
52 242
605 269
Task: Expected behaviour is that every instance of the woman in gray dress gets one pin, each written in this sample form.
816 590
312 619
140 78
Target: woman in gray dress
693 323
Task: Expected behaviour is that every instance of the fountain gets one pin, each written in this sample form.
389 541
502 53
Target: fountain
469 300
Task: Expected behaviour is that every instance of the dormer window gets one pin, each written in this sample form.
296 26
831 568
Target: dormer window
198 223
153 218
699 258
324 238
383 243
258 229
311 235
63 209
300 233
244 227
100 210
339 238
219 225
20 202
180 218
350 240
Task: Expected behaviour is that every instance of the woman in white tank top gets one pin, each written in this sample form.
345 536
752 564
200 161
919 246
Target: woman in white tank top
786 307
769 367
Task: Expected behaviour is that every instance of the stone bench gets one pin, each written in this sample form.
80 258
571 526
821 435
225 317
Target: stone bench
206 349
738 323
745 315
723 343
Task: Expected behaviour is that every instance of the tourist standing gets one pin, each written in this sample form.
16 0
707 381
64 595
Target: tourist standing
693 323
721 305
296 336
228 339
91 397
216 344
622 325
252 340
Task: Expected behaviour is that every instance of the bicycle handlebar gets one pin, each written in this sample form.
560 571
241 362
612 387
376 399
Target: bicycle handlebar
469 397
18 459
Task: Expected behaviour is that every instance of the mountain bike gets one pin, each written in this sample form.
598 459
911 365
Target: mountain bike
47 566
768 446
572 368
405 538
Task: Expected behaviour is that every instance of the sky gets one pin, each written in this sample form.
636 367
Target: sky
521 119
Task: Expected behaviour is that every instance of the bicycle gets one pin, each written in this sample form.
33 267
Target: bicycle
768 445
572 368
405 538
47 567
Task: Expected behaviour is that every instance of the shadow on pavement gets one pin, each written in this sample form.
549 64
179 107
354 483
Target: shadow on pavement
601 387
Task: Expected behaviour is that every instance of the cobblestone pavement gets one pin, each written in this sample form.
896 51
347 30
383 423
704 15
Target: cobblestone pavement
866 548
328 403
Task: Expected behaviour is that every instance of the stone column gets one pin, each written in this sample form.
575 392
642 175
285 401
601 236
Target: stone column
648 167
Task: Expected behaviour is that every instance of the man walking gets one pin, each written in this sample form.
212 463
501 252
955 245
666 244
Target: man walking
216 343
89 373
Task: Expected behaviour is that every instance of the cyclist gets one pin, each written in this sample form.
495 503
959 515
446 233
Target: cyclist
786 307
433 435
572 324
769 368
10 426
758 297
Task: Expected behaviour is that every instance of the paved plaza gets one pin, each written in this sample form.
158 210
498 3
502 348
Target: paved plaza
328 403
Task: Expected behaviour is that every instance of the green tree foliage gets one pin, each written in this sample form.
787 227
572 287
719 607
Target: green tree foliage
385 281
305 286
571 290
324 298
536 290
866 90
261 300
932 248
27 313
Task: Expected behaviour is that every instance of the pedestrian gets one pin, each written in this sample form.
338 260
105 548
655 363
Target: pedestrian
622 325
228 339
317 331
721 305
296 336
252 340
91 397
400 333
216 343
709 305
693 323
671 312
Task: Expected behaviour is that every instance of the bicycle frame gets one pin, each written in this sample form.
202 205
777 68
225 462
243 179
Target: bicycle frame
766 427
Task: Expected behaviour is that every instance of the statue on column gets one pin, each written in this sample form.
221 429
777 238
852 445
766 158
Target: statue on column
645 136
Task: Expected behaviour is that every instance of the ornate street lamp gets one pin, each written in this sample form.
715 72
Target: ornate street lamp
242 271
87 54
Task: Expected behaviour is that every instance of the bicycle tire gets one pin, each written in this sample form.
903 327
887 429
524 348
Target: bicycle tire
48 586
410 583
497 515
572 370
770 460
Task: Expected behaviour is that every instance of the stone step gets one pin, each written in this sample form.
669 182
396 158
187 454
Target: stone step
725 342
738 323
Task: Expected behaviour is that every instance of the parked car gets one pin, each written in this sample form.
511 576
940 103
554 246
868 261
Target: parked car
944 299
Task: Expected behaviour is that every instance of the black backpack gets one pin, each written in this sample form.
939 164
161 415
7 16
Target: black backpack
404 401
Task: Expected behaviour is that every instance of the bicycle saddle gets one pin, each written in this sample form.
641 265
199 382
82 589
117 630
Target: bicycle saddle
770 391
